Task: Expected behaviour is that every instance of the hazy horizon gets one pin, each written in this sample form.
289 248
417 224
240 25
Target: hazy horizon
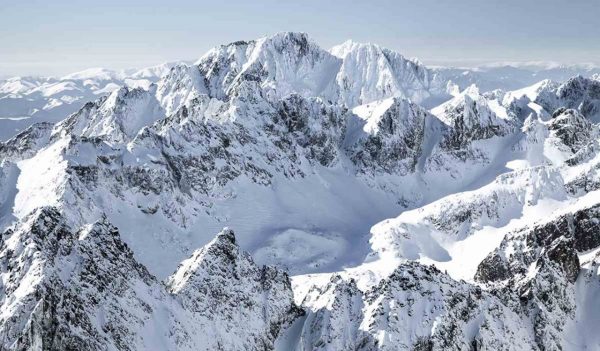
70 36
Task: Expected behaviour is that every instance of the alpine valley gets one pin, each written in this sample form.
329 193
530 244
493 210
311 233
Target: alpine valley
274 195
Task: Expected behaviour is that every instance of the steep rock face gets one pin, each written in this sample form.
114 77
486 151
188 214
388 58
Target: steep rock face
316 127
230 292
179 85
559 238
71 290
369 73
472 117
202 153
565 138
281 64
415 308
582 94
392 136
550 302
335 318
26 143
572 128
477 131
589 178
545 290
116 118
541 263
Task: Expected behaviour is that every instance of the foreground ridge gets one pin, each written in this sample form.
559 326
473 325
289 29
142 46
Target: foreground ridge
66 289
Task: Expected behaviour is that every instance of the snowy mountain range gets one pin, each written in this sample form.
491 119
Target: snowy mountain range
277 195
27 100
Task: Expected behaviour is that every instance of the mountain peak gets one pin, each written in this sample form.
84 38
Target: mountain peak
342 50
226 236
471 91
287 36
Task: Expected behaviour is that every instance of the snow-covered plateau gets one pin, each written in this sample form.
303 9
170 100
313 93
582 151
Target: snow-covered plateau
274 195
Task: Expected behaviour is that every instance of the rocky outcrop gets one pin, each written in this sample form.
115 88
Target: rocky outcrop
557 240
66 289
393 138
415 308
26 143
571 127
582 94
117 118
541 264
471 118
247 305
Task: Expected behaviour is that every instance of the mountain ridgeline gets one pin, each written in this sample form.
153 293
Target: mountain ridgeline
377 204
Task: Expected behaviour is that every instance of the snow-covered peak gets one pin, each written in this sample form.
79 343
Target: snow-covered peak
350 47
472 109
370 72
281 64
19 85
222 253
282 39
26 143
389 135
222 284
384 115
578 87
116 118
531 92
181 84
344 48
471 91
582 94
353 73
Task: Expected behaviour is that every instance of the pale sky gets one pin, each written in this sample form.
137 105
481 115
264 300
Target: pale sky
55 37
